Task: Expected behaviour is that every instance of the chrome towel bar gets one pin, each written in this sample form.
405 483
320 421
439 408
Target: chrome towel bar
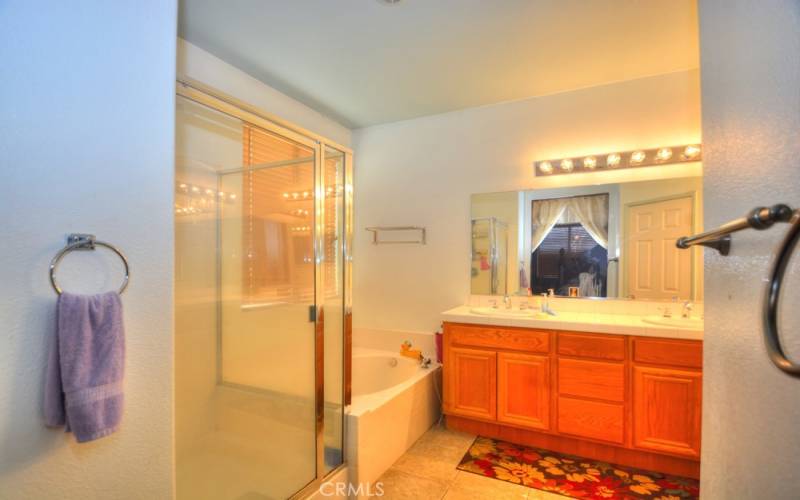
720 239
85 242
376 230
761 218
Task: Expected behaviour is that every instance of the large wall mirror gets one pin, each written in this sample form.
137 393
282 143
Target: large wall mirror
601 241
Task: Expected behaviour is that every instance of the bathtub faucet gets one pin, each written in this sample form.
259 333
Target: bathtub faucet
425 362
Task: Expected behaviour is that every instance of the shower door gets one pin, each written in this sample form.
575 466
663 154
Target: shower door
259 300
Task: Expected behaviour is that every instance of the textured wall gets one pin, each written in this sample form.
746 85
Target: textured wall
423 171
86 145
751 131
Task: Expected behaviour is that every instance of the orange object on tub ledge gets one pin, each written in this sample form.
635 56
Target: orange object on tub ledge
407 351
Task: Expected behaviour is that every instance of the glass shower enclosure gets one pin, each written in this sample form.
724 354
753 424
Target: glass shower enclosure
262 216
489 268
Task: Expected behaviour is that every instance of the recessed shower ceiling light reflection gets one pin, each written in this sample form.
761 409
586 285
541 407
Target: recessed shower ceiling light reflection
624 159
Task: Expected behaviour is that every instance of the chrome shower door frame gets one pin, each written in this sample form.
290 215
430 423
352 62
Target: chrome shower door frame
212 98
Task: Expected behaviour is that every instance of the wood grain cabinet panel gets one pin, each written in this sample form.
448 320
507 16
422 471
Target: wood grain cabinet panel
518 339
591 419
523 390
591 379
472 383
587 345
666 410
685 353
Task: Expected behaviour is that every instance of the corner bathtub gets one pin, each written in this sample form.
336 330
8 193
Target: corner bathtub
395 401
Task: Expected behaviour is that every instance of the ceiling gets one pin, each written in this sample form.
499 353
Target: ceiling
364 63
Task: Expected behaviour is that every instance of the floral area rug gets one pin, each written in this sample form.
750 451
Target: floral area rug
570 475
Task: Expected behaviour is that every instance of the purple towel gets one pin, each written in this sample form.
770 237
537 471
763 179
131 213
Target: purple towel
83 383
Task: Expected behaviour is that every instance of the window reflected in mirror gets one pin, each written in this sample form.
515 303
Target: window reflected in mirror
569 243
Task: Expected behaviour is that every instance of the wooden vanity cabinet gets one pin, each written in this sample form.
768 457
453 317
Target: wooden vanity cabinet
472 383
667 396
523 390
623 399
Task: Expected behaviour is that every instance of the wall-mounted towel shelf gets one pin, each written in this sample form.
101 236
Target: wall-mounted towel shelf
419 233
761 218
78 241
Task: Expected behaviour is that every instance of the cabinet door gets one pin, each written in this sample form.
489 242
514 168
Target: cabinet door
472 383
666 410
523 390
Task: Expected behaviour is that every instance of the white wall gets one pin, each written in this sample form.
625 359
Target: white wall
751 120
86 134
197 64
423 171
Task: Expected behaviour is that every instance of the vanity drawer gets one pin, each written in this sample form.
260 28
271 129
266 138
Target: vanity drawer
591 419
588 345
517 339
685 353
591 379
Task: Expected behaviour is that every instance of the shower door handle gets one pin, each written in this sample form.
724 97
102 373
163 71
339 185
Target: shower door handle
312 313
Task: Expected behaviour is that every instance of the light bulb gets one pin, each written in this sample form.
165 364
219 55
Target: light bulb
546 167
690 152
182 186
637 157
566 165
664 154
195 189
209 191
589 162
233 196
613 160
285 195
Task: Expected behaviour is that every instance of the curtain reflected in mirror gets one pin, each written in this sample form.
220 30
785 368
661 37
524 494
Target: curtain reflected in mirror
569 244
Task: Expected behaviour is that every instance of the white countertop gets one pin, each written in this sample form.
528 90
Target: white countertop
620 324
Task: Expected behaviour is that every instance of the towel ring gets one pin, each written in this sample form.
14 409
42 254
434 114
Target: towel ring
771 338
85 242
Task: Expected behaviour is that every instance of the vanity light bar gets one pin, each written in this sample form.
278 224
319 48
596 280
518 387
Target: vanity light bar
628 159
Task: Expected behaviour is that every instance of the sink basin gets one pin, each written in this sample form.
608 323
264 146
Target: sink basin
502 311
687 323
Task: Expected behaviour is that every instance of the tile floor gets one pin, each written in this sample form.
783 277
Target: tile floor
428 471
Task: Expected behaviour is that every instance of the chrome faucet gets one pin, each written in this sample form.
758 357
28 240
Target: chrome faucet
687 309
507 301
425 362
